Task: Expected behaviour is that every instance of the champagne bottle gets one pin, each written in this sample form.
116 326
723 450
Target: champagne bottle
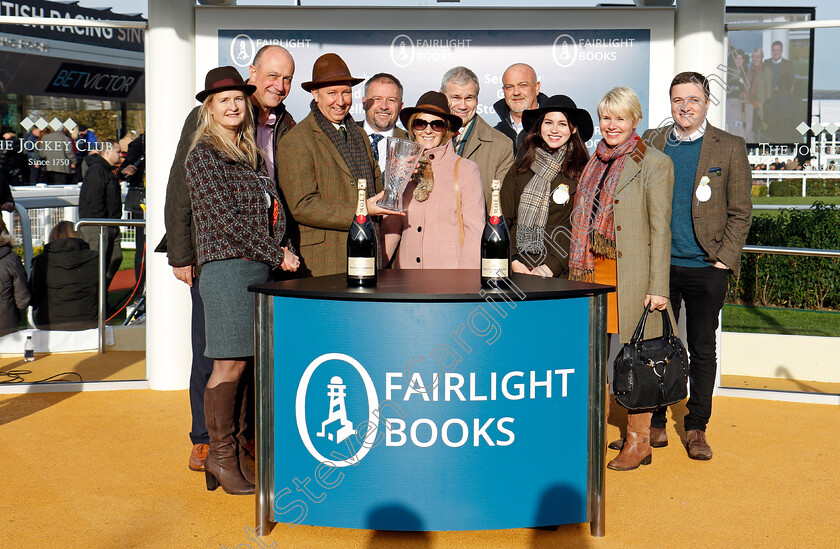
361 244
495 242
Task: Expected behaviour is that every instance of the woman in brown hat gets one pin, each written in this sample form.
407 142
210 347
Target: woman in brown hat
444 204
240 229
538 191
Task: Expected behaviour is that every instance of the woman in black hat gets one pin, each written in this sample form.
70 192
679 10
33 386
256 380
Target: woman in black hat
444 204
538 192
240 232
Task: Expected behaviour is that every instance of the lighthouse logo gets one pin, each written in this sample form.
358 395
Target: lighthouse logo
327 401
338 413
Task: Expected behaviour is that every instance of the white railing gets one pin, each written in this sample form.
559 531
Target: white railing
764 177
39 207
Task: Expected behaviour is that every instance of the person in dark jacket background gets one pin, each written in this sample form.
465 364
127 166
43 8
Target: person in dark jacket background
100 197
133 169
522 92
64 282
14 295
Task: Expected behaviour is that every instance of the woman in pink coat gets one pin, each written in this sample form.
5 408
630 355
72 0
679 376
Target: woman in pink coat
444 205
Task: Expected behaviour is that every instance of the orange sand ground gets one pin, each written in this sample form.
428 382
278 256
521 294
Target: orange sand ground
109 470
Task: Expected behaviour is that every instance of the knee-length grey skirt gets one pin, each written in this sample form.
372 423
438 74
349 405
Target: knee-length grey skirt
229 306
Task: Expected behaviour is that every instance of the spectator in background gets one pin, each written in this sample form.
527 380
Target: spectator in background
85 145
758 91
7 202
126 141
65 281
11 161
783 113
778 66
33 157
59 158
133 170
100 197
14 294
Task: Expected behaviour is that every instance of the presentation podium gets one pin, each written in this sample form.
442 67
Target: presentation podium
428 403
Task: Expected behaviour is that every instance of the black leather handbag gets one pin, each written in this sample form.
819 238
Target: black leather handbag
651 373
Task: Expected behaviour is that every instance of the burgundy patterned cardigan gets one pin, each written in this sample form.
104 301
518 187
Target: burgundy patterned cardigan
230 202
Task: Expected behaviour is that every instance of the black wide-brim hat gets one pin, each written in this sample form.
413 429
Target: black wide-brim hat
432 102
330 70
223 79
579 118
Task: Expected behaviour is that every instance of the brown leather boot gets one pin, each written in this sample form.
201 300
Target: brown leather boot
241 442
658 439
222 465
636 450
697 446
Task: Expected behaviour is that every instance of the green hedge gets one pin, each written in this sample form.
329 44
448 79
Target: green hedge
813 187
786 187
792 281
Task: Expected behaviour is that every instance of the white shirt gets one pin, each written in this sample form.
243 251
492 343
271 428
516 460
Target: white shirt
516 127
380 147
693 136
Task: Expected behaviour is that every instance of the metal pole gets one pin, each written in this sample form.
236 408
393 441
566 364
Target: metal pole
597 411
103 291
264 391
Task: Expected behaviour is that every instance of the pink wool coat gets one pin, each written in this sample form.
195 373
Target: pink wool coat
428 235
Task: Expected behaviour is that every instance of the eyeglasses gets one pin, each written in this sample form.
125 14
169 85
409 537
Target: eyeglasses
437 125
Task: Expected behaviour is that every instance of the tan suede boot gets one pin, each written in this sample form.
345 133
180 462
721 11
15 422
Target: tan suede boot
636 450
222 465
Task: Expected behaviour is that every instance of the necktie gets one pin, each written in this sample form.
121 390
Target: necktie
375 138
343 131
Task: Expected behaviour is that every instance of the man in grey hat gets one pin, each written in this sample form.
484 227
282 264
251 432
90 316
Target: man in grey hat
318 167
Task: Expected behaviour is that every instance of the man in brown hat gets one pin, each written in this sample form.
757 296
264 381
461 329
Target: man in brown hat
317 168
271 74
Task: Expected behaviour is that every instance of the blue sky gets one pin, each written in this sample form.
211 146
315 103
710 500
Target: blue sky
826 60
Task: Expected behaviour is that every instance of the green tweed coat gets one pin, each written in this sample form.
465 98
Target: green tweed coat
642 209
321 193
721 224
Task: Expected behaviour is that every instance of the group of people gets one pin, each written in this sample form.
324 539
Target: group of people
761 105
64 277
252 195
45 155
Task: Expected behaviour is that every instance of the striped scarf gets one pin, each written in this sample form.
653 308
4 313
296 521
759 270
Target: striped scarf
533 204
593 222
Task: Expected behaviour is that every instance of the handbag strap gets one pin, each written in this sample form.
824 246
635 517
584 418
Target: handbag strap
667 328
640 328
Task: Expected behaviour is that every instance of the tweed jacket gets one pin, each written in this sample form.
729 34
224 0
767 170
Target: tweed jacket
557 228
179 240
642 210
428 235
231 208
721 224
491 150
321 194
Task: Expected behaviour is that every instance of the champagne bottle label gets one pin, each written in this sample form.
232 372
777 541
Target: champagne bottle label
361 267
496 203
361 207
494 268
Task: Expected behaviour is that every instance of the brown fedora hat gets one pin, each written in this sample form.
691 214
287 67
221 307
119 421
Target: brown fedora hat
223 79
329 69
432 102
